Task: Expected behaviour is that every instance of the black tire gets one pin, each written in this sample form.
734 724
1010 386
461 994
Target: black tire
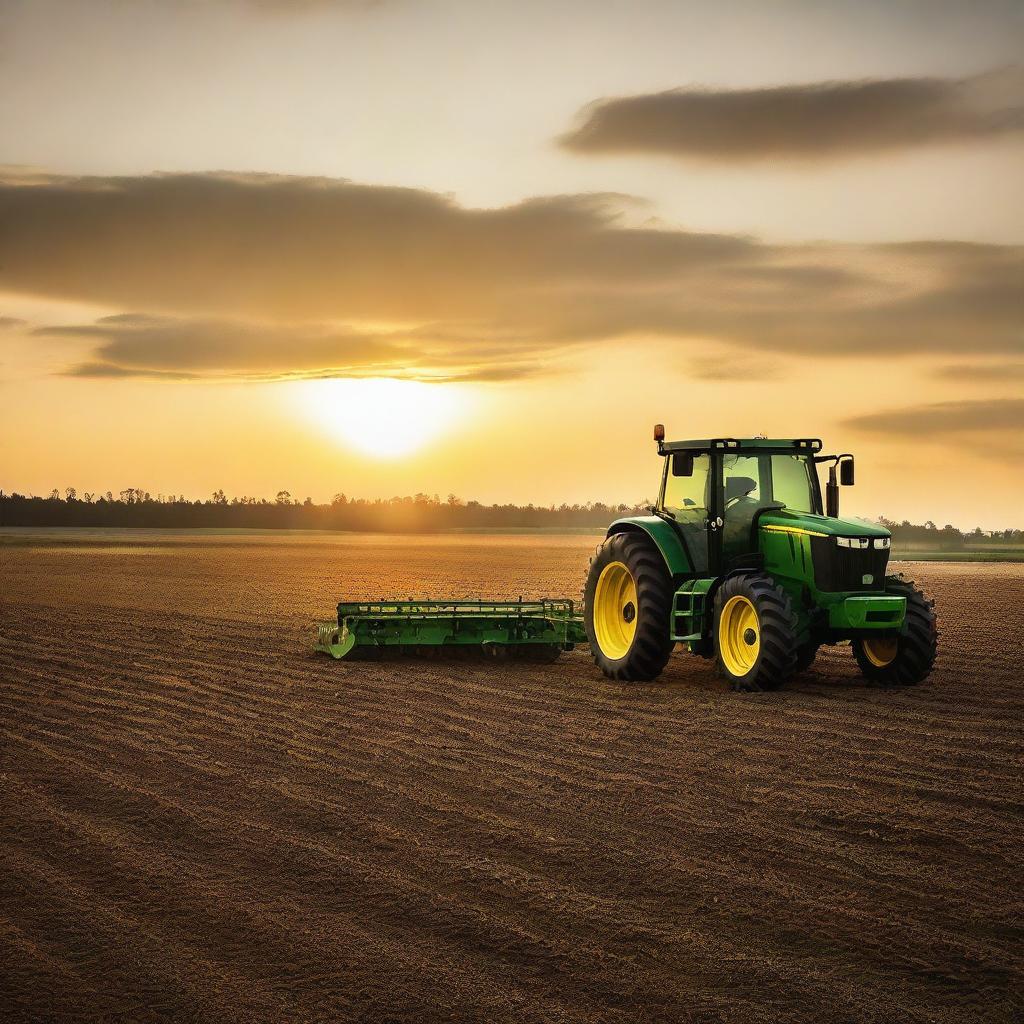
651 644
805 656
916 645
774 633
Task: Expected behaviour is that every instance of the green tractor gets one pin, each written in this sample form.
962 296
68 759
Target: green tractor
740 562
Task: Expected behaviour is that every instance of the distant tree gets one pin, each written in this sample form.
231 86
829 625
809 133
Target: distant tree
410 513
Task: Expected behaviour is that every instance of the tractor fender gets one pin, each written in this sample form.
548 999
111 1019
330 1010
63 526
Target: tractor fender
663 535
716 586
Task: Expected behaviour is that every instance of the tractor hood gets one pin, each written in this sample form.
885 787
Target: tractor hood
810 523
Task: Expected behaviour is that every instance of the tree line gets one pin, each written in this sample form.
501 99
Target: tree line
418 513
948 537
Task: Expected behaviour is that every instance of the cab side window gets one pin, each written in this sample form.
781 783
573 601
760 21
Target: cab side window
686 497
791 482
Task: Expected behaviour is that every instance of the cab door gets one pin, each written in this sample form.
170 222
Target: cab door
686 492
745 489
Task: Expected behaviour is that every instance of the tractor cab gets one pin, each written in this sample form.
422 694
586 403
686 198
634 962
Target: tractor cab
720 493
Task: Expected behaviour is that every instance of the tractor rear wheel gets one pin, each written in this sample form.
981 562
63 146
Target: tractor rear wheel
627 605
905 659
755 633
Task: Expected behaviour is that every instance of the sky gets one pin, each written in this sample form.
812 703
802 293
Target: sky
396 246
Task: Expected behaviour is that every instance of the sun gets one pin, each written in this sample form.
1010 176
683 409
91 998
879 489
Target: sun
383 417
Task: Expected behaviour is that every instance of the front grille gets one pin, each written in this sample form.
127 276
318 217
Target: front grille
839 569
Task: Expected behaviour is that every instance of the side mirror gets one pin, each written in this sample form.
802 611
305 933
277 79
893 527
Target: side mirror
682 464
846 472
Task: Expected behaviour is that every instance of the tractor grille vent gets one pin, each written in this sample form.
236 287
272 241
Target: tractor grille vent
839 569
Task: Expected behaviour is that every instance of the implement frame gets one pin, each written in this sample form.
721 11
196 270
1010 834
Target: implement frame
490 625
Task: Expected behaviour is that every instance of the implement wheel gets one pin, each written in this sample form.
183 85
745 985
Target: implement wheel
755 633
906 658
627 605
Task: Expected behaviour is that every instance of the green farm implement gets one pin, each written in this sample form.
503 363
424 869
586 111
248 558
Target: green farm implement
531 630
740 560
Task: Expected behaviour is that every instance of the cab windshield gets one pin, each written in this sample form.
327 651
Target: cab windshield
753 481
757 480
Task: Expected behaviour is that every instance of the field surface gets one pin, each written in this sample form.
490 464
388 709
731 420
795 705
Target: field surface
200 820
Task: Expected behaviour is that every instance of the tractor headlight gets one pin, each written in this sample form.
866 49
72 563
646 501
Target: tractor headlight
843 542
853 542
882 542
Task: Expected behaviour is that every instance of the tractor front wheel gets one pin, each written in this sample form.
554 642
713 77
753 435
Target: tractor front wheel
627 607
907 658
755 633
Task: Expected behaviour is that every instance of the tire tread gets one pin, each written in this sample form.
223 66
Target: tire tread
652 644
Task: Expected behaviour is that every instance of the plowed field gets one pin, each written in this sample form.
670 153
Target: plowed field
200 820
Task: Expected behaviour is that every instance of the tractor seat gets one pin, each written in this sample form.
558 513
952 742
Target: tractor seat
739 487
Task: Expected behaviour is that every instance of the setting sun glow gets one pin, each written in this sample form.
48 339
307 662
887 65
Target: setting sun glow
383 417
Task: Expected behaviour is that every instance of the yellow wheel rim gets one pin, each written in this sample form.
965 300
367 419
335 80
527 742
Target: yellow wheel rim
739 635
615 610
880 650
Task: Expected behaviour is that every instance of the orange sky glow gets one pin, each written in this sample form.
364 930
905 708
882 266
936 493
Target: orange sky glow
395 247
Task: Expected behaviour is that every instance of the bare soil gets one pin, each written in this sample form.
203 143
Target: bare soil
200 820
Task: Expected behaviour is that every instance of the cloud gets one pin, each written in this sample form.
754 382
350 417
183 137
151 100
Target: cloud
10 323
304 6
212 346
172 348
823 120
943 420
732 369
108 371
278 7
255 275
291 248
980 372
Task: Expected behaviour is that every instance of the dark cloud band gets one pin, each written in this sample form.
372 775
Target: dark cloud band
820 120
945 420
257 275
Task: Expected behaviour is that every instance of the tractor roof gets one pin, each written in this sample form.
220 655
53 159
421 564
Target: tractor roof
808 445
